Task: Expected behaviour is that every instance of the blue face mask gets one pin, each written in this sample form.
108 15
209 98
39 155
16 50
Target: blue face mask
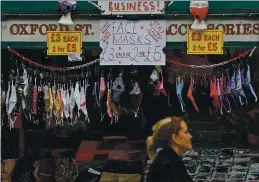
229 93
248 82
179 90
239 91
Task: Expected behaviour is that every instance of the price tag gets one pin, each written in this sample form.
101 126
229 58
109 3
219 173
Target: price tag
74 57
205 42
64 43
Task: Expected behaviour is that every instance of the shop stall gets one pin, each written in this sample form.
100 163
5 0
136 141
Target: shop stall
76 75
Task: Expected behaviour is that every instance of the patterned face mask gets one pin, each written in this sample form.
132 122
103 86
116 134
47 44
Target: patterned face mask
117 88
160 86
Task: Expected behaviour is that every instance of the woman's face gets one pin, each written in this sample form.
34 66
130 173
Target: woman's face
183 139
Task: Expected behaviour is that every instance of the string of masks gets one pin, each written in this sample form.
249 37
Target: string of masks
61 98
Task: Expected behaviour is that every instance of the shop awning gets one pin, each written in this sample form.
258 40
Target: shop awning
177 7
43 7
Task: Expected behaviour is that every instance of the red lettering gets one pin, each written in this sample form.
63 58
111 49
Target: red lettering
247 29
181 31
43 29
139 6
34 28
110 6
169 29
238 29
23 29
229 29
256 29
14 29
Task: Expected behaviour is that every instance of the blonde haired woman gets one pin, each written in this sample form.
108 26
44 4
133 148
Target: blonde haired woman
171 134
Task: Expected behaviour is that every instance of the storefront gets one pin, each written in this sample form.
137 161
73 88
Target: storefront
24 31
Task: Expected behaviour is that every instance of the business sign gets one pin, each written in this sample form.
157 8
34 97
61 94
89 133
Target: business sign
236 30
64 43
132 7
132 42
205 42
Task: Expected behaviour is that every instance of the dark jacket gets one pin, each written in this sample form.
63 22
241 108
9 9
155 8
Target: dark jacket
168 167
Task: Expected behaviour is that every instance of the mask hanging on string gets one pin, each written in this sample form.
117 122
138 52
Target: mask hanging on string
160 86
117 88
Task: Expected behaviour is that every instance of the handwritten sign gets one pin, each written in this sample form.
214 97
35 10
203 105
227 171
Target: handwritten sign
205 42
132 42
132 7
64 43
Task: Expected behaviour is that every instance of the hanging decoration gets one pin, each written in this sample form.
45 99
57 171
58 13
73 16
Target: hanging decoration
199 10
65 8
52 94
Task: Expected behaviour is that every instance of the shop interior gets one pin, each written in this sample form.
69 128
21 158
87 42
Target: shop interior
141 101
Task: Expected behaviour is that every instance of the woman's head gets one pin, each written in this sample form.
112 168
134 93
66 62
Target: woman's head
169 132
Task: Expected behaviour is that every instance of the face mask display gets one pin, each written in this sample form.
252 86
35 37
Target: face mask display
199 10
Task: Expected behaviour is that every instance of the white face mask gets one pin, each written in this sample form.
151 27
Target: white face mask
71 102
135 90
65 101
77 96
13 99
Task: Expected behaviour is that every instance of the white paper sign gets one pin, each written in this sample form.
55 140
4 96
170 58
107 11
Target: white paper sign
74 57
132 7
132 42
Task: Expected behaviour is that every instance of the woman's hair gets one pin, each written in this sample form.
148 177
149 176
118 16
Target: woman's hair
162 134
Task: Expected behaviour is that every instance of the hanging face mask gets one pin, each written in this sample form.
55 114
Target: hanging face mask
239 91
136 97
179 91
8 97
248 82
65 100
228 91
224 91
117 88
83 104
214 92
102 86
160 85
190 94
77 96
12 100
108 103
25 81
12 104
95 93
219 96
154 79
72 102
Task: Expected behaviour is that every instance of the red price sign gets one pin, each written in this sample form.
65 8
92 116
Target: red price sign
64 43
